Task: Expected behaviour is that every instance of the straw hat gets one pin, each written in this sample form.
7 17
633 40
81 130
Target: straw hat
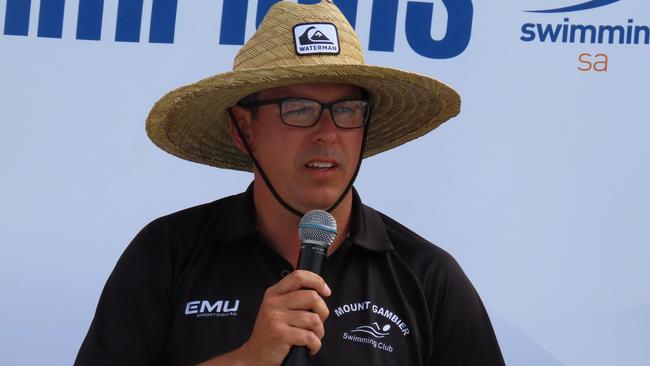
297 44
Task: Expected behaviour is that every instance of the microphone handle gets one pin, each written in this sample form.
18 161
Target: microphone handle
311 258
297 356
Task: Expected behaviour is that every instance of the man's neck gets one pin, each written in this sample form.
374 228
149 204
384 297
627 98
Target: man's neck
280 227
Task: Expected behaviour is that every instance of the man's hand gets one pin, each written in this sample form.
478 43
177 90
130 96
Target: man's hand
291 314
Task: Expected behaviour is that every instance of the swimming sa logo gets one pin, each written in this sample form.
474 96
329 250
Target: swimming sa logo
582 6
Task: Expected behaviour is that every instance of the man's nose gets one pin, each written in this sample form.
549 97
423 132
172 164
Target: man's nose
326 129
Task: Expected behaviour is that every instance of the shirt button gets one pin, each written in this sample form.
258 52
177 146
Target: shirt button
285 272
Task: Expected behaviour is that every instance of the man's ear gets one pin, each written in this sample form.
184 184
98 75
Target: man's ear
243 118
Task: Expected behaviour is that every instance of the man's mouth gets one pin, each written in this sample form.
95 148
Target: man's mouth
319 165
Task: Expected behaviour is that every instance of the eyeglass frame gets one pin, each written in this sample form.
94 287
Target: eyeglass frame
323 106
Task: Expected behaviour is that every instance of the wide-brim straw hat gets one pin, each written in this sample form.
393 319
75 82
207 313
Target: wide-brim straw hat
192 122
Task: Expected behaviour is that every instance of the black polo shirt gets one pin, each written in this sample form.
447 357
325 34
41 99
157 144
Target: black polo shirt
189 285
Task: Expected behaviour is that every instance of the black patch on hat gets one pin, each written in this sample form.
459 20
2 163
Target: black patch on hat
316 39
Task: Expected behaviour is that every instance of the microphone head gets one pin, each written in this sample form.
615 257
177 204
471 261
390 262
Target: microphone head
317 226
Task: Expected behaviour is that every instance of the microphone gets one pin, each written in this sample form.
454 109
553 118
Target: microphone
317 230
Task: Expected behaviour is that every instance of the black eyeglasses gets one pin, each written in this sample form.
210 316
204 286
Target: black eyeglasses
303 112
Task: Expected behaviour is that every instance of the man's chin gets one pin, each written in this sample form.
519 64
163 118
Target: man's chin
317 205
320 200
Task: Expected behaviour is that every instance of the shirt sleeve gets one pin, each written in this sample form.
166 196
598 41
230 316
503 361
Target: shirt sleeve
132 318
462 331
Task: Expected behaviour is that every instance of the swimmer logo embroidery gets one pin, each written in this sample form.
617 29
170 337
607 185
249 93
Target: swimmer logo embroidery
373 330
316 38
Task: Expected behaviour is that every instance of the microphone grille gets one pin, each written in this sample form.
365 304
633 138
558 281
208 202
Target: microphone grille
317 226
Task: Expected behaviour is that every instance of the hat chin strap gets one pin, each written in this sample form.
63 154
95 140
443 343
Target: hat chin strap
284 204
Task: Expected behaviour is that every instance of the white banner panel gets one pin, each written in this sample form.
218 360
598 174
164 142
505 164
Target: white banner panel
539 188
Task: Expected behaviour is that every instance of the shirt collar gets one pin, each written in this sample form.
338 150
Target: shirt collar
237 219
367 228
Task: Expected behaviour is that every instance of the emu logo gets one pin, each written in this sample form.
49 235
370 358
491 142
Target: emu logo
204 308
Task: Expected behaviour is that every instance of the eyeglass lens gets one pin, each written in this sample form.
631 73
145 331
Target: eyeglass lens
305 112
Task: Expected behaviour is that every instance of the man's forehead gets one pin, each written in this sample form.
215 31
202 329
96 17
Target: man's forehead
313 90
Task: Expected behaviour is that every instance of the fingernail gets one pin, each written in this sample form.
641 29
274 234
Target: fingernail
328 290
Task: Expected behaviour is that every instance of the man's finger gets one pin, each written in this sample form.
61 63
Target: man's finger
300 279
303 337
306 300
308 321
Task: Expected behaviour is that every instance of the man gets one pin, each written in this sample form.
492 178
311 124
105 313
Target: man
215 285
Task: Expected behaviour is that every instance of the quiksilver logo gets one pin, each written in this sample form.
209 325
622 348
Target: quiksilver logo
206 308
316 38
312 35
